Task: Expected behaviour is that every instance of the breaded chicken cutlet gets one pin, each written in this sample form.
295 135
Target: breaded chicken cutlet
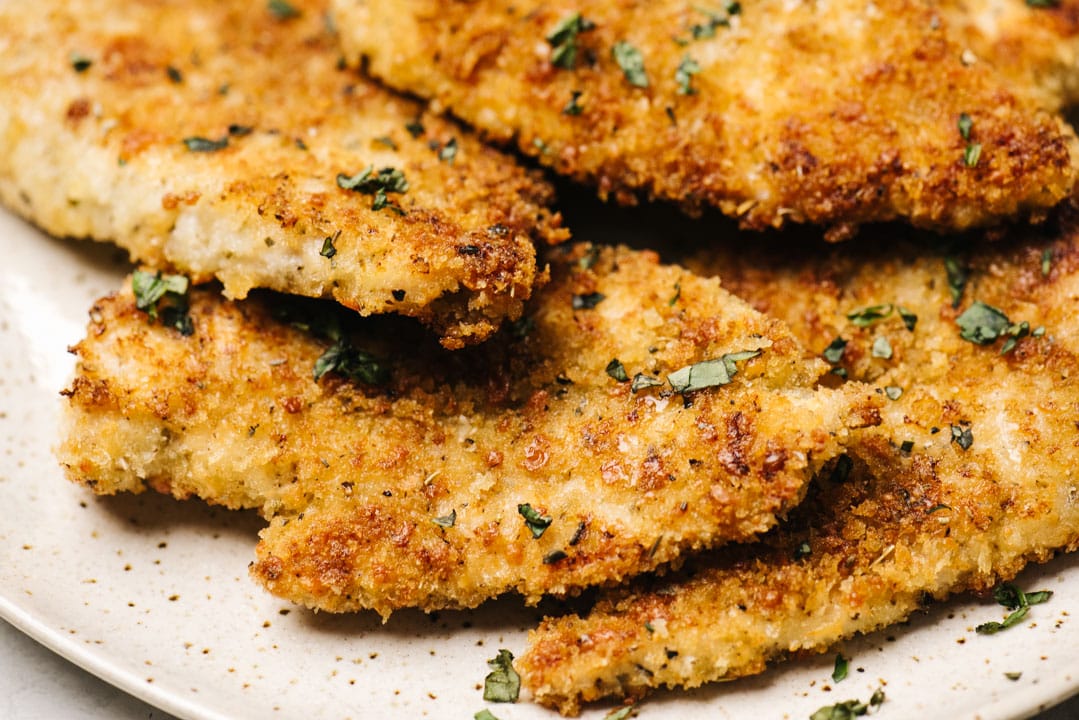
972 474
223 140
838 114
637 413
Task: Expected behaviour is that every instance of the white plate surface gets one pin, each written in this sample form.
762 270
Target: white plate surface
153 595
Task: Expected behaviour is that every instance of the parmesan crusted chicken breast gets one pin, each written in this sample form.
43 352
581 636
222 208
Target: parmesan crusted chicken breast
973 472
223 140
637 412
836 113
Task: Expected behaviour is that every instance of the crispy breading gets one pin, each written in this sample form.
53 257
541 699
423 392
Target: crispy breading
99 102
412 493
1035 45
987 483
839 113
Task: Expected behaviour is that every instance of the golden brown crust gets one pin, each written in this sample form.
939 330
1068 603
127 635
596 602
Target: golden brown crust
839 116
353 476
907 525
100 153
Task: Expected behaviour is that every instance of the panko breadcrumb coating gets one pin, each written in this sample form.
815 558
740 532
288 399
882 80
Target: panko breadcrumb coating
440 479
972 474
210 136
837 113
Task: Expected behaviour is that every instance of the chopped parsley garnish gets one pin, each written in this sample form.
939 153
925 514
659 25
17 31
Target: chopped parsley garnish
631 61
642 381
448 151
343 359
554 556
236 130
802 551
164 296
79 62
573 107
174 74
414 127
841 471
589 259
965 124
849 709
834 352
446 521
882 348
866 316
962 436
906 446
617 370
676 296
621 713
1013 676
1043 3
909 318
502 684
282 10
563 40
706 30
328 248
588 301
957 279
894 392
709 373
201 144
484 714
972 154
386 141
982 324
536 522
1015 600
842 667
369 182
684 75
1047 261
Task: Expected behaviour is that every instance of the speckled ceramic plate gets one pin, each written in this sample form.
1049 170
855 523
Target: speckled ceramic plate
153 595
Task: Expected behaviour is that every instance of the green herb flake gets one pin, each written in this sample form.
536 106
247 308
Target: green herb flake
329 249
282 10
1043 3
357 365
972 154
848 709
174 74
957 279
834 352
79 62
642 381
963 437
684 75
502 684
965 124
894 392
982 324
536 522
414 128
882 348
621 713
617 370
707 30
1014 599
587 301
448 152
369 182
163 296
1013 676
484 714
201 144
868 315
677 295
554 556
910 320
709 373
1047 261
563 40
841 472
842 667
573 107
589 259
802 551
631 61
906 446
992 628
446 521
386 141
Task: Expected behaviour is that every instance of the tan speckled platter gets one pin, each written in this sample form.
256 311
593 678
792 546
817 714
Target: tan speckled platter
153 595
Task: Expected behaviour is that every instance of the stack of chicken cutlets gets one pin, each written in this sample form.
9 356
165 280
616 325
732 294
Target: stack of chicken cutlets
356 306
